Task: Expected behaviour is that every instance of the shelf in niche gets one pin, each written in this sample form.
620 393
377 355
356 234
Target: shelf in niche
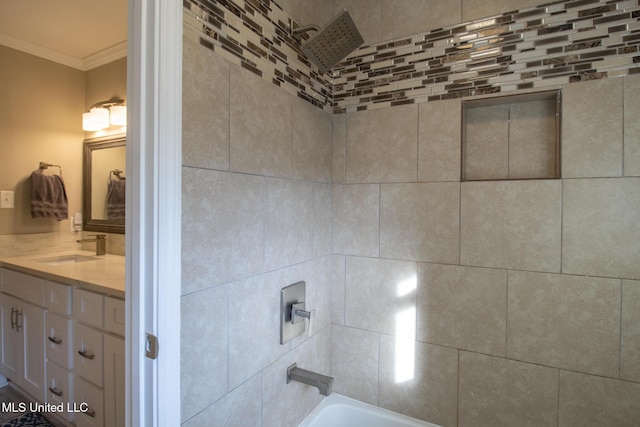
512 137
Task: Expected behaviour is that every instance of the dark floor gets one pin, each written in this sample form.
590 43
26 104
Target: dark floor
10 394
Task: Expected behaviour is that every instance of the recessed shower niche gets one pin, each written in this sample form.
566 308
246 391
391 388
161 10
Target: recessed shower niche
512 137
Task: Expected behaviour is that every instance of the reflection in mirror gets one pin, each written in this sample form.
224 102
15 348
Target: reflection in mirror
104 184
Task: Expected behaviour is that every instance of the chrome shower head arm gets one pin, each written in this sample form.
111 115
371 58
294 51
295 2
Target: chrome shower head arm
305 29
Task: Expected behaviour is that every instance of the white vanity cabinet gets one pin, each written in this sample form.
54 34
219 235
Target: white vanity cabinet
99 358
22 357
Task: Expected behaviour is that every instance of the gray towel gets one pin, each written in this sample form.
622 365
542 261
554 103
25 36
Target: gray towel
48 196
116 196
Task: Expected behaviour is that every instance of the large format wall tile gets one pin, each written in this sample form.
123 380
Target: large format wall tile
312 144
590 401
322 219
205 108
569 322
515 224
475 9
289 230
339 154
439 141
288 404
505 393
261 126
354 363
632 125
630 348
401 18
381 295
419 380
338 288
356 219
242 407
463 307
382 145
366 16
601 227
254 325
420 222
592 137
222 227
203 353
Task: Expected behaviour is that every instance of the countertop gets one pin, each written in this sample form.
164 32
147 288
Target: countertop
104 274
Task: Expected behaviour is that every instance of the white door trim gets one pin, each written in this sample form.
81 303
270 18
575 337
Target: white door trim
153 220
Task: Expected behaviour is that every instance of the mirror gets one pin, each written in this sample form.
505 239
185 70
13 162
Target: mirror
104 184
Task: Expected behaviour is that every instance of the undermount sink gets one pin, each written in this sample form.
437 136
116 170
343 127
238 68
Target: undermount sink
67 259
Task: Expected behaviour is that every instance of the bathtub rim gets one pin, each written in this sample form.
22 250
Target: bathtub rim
337 399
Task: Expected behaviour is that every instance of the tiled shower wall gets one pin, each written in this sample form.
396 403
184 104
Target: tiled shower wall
256 217
489 303
463 303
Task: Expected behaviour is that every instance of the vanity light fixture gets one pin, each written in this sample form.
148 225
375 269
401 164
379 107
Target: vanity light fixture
103 114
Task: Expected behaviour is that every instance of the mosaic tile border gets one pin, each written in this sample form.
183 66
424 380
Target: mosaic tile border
532 48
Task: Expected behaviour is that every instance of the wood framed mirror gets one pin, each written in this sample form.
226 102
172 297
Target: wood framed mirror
103 184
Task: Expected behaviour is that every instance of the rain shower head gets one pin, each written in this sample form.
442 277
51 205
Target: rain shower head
332 43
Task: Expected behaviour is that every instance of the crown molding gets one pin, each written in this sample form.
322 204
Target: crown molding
41 52
106 56
88 63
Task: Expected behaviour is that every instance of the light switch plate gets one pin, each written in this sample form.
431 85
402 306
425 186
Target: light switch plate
6 199
290 295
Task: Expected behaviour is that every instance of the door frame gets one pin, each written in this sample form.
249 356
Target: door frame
153 218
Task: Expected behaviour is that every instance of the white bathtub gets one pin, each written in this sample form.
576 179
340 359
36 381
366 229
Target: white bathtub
339 411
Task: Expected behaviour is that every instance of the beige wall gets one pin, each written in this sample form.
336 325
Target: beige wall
103 83
42 121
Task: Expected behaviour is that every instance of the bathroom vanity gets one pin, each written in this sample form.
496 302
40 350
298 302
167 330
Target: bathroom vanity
62 333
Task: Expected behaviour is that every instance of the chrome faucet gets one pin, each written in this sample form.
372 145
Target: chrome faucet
101 243
322 382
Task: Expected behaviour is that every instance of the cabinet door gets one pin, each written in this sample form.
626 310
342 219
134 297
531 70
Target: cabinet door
90 401
114 388
10 338
31 325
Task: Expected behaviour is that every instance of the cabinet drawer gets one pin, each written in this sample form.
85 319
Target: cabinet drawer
58 298
89 399
60 388
23 286
88 307
59 343
114 315
88 354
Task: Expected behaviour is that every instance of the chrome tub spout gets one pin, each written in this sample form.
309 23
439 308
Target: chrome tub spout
322 382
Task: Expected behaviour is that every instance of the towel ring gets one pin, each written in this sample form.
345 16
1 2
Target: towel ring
44 165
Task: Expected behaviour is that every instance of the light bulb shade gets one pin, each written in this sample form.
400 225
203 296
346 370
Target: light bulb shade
118 115
96 119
